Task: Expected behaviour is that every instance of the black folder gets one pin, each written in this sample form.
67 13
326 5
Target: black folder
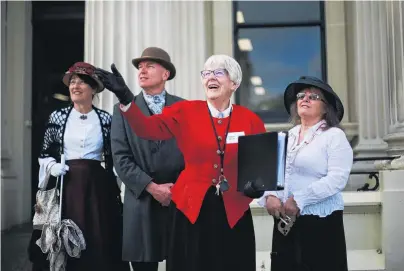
258 161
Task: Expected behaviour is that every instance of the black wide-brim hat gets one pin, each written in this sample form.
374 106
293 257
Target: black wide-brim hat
304 82
159 56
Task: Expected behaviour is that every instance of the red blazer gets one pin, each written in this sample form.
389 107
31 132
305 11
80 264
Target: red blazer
190 124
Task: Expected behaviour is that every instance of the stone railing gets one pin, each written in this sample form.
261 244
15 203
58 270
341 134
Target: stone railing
370 169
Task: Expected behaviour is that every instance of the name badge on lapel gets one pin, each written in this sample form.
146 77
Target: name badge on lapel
232 138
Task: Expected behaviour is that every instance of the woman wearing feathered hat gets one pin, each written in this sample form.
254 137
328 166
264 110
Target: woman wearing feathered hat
318 164
91 196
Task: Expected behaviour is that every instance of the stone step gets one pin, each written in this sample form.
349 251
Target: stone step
362 222
358 260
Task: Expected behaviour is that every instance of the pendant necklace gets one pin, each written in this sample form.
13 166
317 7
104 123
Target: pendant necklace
222 184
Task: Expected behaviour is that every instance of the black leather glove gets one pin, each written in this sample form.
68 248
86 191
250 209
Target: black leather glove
254 189
116 84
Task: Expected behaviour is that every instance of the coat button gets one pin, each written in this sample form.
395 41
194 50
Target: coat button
214 181
215 165
219 138
219 121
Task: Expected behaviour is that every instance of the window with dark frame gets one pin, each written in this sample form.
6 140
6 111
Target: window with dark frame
275 43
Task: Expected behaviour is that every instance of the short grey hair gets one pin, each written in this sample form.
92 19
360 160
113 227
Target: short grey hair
228 63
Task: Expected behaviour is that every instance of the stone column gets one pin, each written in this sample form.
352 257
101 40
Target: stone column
3 138
118 31
335 29
370 76
395 57
391 180
16 114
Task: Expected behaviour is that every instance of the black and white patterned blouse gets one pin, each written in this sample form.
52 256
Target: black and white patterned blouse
53 145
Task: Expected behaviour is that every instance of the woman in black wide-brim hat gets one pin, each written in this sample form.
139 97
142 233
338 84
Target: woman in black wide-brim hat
91 196
318 164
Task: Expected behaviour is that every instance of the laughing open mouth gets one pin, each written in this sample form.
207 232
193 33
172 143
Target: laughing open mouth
213 87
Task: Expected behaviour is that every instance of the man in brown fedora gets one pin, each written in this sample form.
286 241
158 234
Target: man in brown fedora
147 168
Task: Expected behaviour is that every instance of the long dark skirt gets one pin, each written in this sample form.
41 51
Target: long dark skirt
91 200
210 244
313 244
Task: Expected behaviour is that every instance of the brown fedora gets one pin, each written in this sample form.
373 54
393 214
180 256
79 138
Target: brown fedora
85 69
157 55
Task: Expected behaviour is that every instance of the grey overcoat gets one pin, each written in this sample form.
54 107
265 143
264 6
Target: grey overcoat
137 161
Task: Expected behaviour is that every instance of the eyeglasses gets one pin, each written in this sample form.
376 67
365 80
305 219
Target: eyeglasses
77 82
312 96
216 73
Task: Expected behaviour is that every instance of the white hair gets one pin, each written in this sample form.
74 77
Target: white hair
228 63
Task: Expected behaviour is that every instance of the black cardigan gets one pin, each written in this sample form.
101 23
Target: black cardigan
53 142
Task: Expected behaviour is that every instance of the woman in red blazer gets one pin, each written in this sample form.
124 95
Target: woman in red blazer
212 227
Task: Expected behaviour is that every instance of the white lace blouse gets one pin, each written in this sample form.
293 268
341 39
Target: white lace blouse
316 171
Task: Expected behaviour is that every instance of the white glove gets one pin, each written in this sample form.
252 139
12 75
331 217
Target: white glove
57 169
